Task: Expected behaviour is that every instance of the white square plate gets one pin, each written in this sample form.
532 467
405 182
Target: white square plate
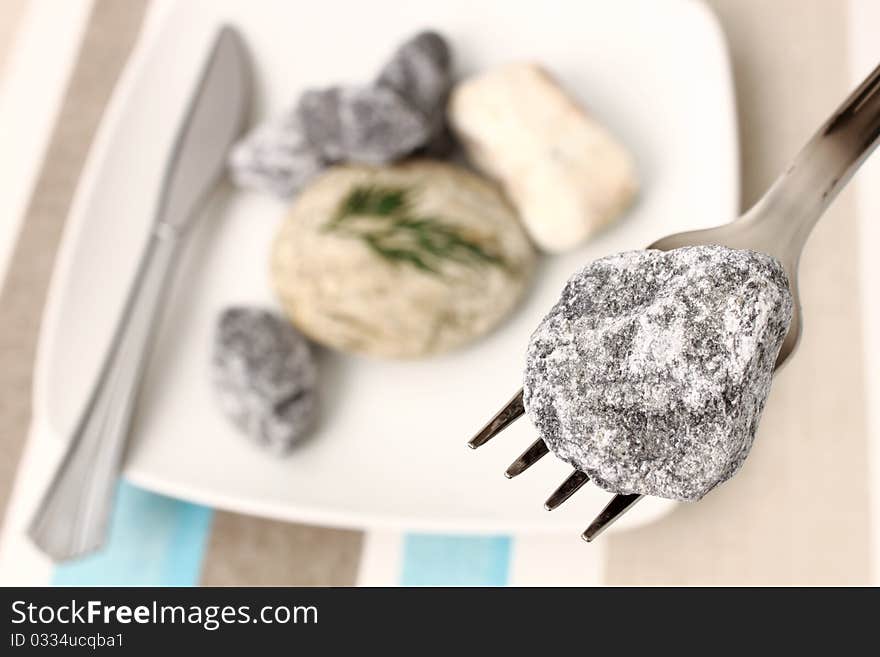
390 450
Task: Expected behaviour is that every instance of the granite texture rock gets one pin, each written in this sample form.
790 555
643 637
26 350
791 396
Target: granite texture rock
265 377
420 73
275 158
651 371
369 125
401 113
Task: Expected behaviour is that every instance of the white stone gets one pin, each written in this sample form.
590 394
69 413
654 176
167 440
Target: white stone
566 174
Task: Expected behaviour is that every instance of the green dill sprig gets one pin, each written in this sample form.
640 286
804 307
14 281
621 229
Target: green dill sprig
394 234
372 201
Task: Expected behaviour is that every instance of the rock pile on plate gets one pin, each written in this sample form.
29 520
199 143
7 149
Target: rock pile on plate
651 372
400 113
386 252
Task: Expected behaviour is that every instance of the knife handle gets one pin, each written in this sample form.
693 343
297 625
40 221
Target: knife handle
72 518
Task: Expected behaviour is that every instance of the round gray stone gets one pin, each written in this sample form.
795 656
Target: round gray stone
651 372
265 376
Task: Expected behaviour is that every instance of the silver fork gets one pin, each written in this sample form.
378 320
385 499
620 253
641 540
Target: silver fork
778 224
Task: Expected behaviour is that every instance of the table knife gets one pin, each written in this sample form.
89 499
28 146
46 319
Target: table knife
72 518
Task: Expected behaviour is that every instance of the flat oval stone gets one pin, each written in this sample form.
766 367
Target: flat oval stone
651 371
401 261
265 376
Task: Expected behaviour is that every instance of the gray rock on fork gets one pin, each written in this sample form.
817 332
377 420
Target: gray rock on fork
651 372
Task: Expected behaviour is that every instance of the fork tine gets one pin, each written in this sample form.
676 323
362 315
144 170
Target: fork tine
618 505
527 459
511 412
568 488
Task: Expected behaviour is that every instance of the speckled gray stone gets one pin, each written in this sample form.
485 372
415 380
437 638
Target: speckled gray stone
402 113
275 158
265 376
420 73
651 372
367 125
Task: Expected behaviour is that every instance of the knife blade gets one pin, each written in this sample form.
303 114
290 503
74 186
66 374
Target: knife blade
72 517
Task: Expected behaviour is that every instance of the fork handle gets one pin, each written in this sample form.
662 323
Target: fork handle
793 205
72 517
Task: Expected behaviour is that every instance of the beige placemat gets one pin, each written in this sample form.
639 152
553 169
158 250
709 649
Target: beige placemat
802 495
798 511
109 36
11 13
252 551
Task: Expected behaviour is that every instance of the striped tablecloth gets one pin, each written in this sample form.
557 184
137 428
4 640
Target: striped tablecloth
799 512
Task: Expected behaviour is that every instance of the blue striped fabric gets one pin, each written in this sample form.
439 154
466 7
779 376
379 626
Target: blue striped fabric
160 541
154 541
433 560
